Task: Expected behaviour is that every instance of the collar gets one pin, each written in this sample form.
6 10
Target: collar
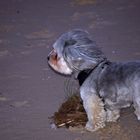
82 76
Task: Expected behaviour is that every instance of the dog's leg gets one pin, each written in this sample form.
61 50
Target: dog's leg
137 108
112 115
95 111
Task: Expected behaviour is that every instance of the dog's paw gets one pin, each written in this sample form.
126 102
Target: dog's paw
112 116
92 128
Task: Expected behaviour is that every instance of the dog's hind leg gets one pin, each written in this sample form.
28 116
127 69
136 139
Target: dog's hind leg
137 108
136 98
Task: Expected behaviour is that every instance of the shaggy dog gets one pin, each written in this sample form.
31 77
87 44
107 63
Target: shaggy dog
106 86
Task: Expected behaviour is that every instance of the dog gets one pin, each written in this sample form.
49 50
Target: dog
105 87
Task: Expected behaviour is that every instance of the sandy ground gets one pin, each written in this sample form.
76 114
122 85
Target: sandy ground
30 91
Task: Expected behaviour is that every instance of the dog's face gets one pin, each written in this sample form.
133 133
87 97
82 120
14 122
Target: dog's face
74 52
58 63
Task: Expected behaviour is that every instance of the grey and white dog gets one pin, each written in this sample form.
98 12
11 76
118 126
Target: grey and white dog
106 86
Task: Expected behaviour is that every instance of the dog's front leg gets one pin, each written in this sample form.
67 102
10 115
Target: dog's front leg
94 108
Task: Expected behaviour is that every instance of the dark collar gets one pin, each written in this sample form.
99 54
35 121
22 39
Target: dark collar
82 76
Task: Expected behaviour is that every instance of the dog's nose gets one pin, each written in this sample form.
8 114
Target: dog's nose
48 57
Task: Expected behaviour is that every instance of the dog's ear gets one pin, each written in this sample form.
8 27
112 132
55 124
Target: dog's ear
70 38
81 57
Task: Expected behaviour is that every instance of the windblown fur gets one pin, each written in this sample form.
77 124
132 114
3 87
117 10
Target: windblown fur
106 86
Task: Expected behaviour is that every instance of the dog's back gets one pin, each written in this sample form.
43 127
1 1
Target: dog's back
120 83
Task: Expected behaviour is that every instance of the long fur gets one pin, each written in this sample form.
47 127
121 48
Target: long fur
106 86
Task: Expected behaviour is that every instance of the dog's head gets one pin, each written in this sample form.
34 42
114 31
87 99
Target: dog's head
74 51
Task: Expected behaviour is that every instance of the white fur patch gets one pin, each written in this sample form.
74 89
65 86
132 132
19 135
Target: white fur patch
61 66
